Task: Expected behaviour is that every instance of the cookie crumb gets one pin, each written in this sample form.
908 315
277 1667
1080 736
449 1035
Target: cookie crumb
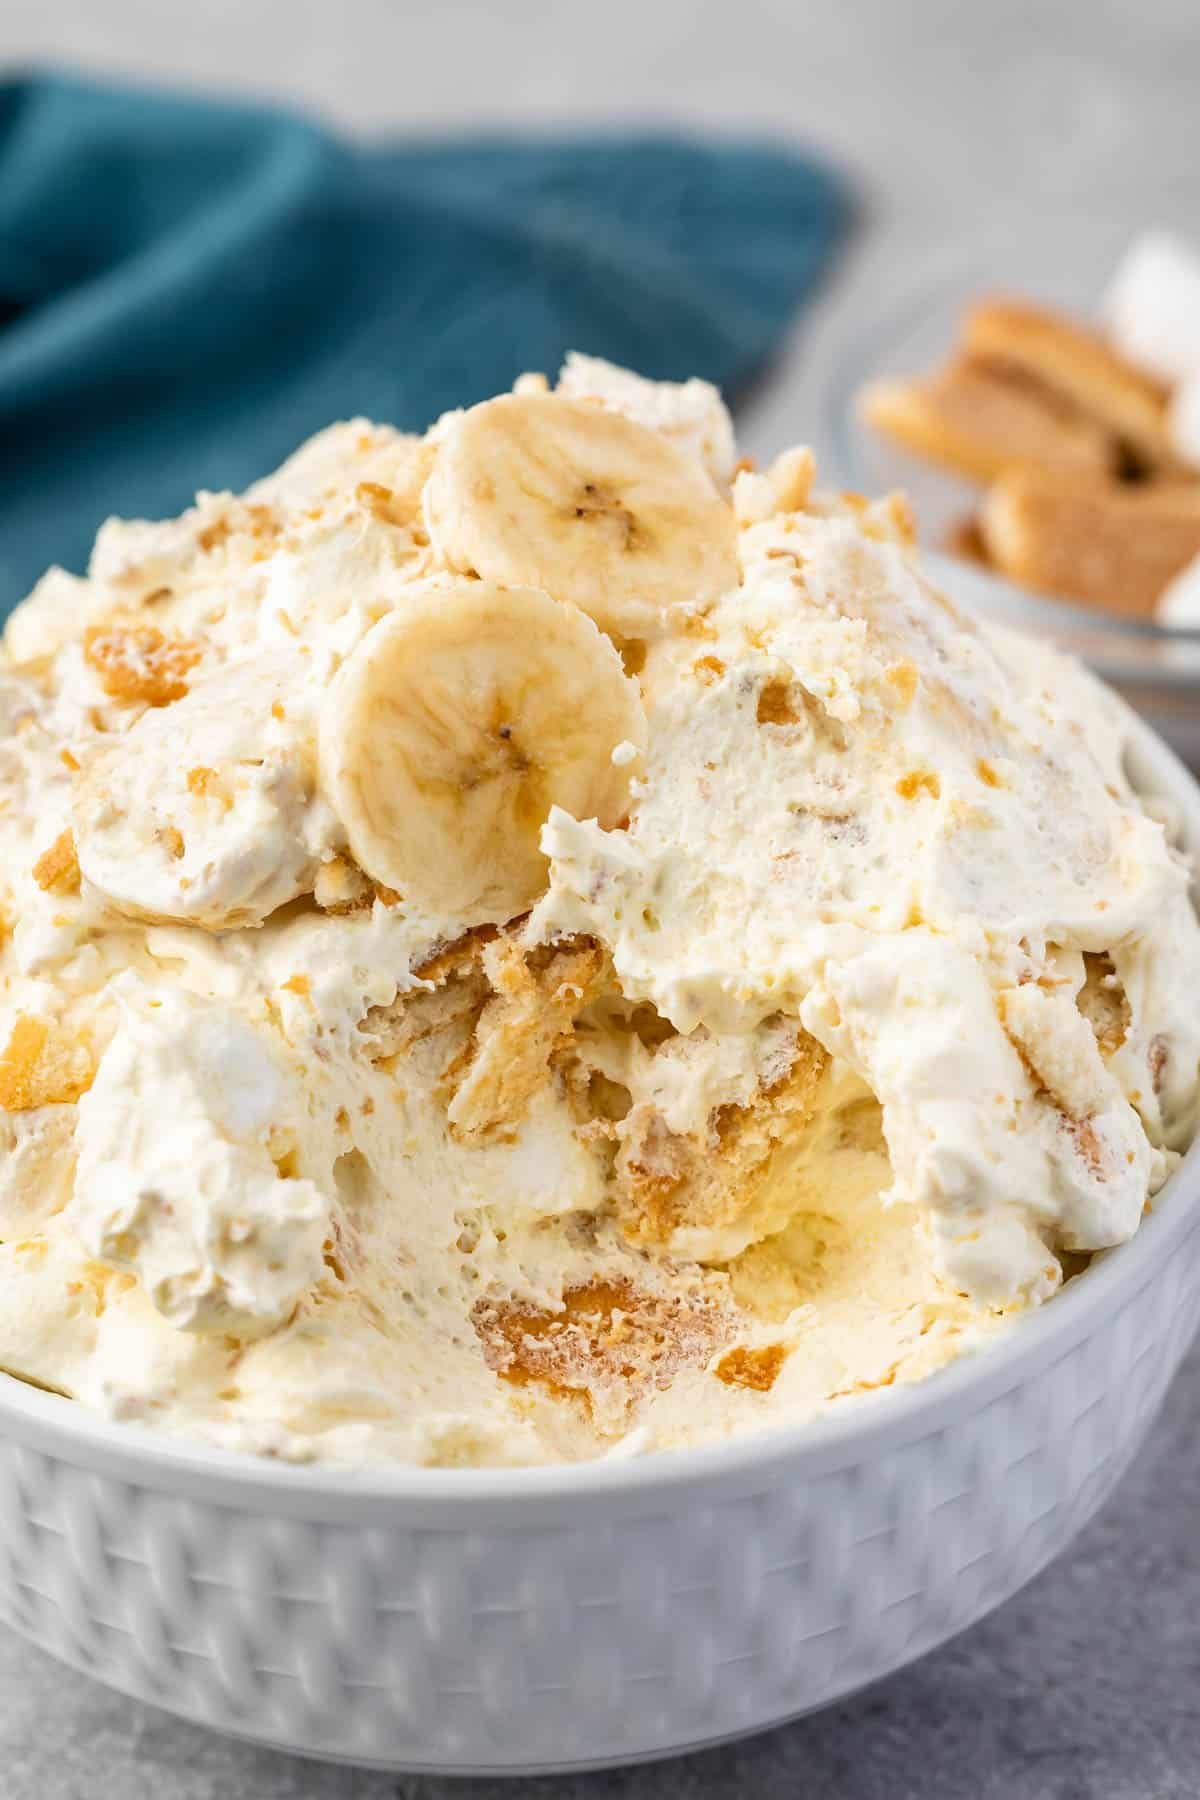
56 870
137 663
754 1369
43 1065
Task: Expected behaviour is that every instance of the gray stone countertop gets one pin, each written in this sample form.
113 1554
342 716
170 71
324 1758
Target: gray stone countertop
957 119
1086 1686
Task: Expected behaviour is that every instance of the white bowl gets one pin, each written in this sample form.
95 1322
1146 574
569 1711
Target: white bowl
535 1620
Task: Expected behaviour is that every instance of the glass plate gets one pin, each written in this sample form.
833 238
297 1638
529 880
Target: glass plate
1157 669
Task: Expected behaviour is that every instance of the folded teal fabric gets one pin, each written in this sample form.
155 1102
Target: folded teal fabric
188 287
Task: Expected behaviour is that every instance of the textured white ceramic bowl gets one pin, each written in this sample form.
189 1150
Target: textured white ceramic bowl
536 1620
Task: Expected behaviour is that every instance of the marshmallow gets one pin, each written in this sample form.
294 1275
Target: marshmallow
1152 308
1179 602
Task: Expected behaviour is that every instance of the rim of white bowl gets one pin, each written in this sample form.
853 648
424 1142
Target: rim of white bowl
871 1426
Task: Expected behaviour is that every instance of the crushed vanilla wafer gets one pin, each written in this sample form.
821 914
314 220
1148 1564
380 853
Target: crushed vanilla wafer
42 1064
56 870
137 664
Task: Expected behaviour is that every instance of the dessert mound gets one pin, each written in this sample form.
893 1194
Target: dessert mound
535 939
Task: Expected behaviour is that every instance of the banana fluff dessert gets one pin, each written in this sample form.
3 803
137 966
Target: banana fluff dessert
532 940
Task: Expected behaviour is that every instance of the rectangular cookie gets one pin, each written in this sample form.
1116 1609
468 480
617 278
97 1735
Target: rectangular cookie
1071 361
975 422
1112 544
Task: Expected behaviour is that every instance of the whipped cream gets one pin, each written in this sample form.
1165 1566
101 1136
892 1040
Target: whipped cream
799 1076
863 810
221 1238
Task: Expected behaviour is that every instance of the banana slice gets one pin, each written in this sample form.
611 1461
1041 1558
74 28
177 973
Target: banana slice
454 727
559 494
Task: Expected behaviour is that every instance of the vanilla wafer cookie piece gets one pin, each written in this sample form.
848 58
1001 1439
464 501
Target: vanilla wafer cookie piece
976 423
1115 545
1077 365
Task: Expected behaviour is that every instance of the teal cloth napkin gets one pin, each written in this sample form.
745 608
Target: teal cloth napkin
189 287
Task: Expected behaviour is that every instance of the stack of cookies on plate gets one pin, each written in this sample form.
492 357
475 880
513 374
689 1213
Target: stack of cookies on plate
1083 441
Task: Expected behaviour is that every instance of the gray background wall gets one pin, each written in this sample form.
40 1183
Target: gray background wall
957 117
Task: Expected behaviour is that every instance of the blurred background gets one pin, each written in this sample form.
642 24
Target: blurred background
769 193
950 120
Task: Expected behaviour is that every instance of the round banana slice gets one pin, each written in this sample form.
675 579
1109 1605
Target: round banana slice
454 727
204 812
559 494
